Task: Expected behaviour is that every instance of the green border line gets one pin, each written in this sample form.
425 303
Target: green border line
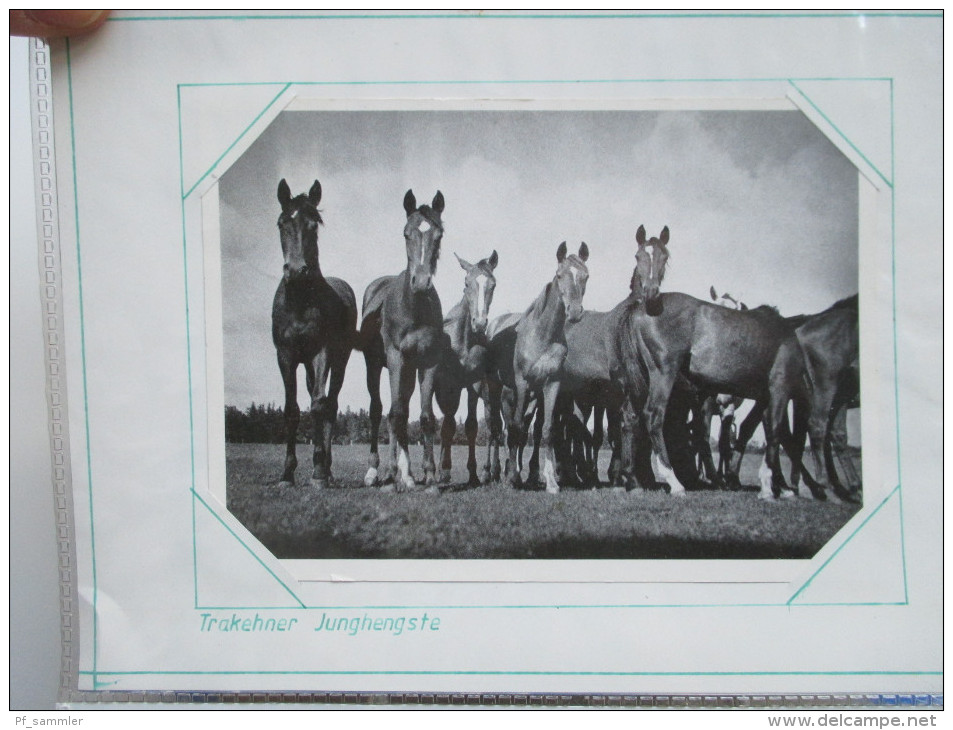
527 673
833 555
82 348
844 137
229 148
260 561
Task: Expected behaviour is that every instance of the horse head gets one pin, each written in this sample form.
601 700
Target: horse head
298 228
571 277
651 259
478 289
422 234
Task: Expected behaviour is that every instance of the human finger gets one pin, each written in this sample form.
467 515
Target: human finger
55 23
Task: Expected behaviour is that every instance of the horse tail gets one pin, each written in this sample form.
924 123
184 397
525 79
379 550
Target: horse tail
364 337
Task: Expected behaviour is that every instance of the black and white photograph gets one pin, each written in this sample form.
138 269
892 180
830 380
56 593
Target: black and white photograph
541 333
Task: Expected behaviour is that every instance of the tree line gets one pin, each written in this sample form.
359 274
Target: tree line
265 424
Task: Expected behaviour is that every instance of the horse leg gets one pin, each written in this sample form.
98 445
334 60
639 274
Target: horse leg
374 367
336 382
794 445
770 474
515 432
292 417
636 449
613 416
836 445
492 406
727 437
819 427
323 415
660 389
598 438
428 424
401 388
545 443
533 476
448 399
471 428
702 414
748 426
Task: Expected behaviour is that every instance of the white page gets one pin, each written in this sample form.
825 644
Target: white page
167 262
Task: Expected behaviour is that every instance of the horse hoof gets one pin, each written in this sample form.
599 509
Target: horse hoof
789 494
680 493
285 484
552 489
767 497
617 490
409 484
445 476
370 479
320 483
432 490
389 489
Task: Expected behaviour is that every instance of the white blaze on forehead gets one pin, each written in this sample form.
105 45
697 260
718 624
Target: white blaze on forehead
423 225
481 293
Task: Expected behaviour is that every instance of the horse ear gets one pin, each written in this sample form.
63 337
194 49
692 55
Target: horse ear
314 194
410 203
584 252
640 236
664 236
438 203
561 252
465 265
493 260
743 307
284 193
714 295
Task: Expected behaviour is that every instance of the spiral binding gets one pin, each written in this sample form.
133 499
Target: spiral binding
44 169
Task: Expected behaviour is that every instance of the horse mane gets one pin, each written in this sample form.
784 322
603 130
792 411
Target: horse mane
765 310
432 217
302 199
484 266
845 303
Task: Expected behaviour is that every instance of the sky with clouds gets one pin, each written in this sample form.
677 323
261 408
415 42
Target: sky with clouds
759 204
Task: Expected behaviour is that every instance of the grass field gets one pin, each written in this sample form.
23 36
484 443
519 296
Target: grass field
495 521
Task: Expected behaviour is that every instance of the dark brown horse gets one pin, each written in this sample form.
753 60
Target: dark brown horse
817 368
464 366
716 349
588 387
312 324
402 330
540 351
722 406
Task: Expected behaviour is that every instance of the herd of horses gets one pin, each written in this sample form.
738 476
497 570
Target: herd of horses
656 369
